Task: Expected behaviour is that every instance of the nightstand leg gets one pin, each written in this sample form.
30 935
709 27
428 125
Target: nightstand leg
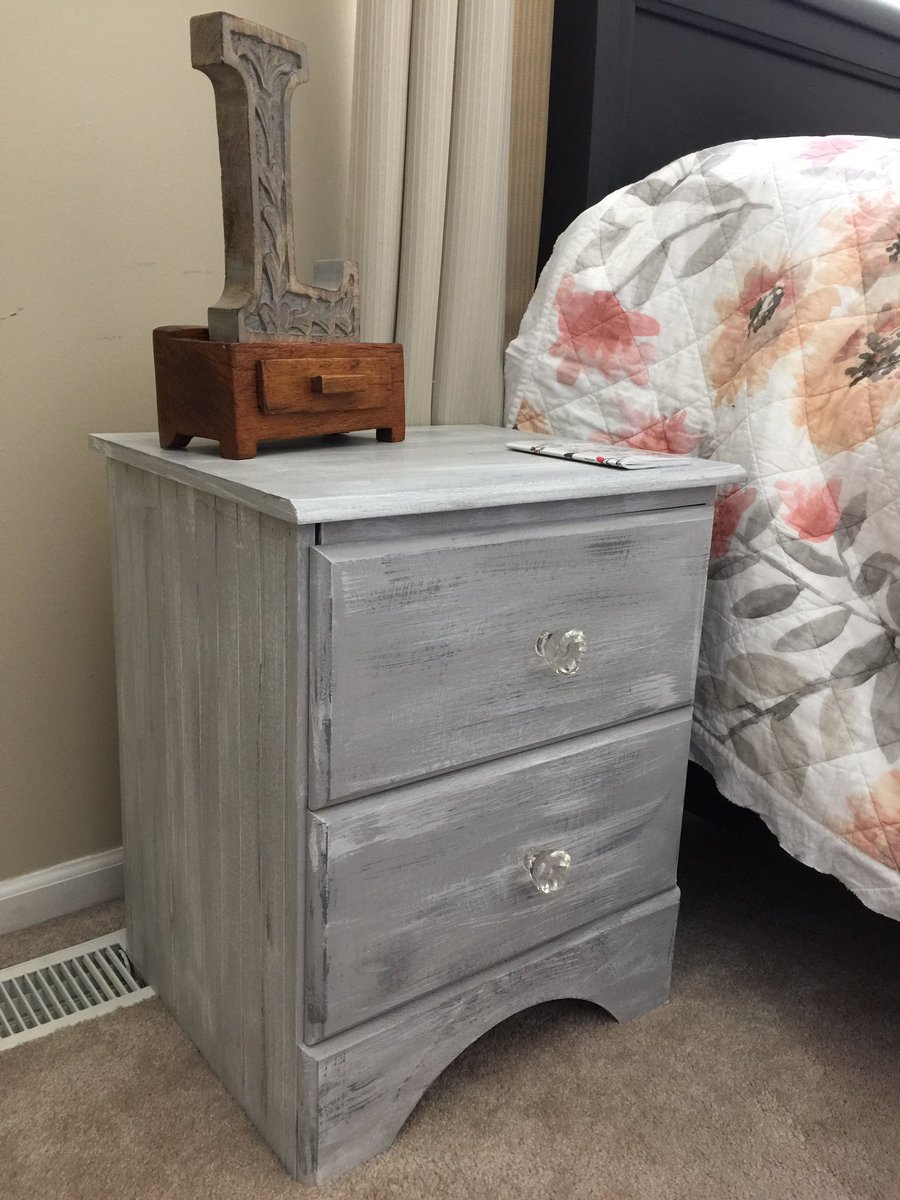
358 1088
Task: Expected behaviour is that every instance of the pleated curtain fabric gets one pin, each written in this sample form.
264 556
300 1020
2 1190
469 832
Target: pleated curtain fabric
378 145
530 87
430 190
429 124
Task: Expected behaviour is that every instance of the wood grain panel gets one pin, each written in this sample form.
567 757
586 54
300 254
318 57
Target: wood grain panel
415 617
417 888
154 809
206 823
227 671
423 651
362 1085
128 609
177 705
310 386
209 647
460 469
507 516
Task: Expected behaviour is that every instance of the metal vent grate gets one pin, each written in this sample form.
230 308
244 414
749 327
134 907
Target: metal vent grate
72 985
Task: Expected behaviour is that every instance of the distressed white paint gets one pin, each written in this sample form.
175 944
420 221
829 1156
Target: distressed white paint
418 888
442 631
209 642
436 564
361 1085
351 477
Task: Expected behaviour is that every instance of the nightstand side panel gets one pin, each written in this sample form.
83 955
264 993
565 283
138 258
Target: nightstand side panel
210 613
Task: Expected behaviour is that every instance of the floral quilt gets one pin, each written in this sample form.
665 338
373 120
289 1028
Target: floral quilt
743 303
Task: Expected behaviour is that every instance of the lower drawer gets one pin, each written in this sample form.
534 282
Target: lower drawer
414 889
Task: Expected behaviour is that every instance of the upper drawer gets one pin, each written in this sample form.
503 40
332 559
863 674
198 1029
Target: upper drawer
424 655
415 889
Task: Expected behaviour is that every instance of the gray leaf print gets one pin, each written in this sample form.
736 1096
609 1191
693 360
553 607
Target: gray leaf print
729 567
705 691
862 662
590 256
640 284
652 190
874 573
714 156
766 674
886 708
784 708
815 633
812 559
763 602
745 749
721 236
729 223
852 516
836 737
892 600
758 518
719 693
792 743
599 249
729 697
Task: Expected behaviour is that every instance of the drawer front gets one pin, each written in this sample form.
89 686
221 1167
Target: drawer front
424 650
321 385
419 888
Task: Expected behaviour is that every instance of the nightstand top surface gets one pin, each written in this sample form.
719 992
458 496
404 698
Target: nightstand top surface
439 468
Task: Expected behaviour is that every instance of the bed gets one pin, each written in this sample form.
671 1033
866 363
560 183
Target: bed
636 84
743 303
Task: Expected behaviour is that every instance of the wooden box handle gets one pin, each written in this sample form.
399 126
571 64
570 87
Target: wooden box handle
335 384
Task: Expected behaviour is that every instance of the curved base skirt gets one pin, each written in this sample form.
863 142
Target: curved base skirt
357 1089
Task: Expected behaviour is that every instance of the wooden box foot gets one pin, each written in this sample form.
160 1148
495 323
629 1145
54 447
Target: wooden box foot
243 393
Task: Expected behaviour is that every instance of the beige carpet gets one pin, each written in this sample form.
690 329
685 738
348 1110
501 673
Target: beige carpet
773 1074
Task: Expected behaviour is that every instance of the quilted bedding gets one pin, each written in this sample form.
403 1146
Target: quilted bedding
743 303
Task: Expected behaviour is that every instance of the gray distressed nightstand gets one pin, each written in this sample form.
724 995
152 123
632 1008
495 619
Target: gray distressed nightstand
404 731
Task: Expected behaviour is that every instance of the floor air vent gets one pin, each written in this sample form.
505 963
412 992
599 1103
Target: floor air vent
72 985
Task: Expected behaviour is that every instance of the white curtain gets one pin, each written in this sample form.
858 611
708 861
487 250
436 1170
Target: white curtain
435 197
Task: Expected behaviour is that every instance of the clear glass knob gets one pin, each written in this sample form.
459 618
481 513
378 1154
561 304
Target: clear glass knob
549 869
563 651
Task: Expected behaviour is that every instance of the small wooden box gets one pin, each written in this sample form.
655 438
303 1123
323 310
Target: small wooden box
243 393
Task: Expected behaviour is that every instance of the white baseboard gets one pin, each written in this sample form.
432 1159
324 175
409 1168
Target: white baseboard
65 888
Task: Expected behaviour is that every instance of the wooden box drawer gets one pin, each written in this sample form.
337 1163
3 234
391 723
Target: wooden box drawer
323 384
417 888
424 655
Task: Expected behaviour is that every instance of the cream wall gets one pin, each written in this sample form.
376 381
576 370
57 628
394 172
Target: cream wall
111 224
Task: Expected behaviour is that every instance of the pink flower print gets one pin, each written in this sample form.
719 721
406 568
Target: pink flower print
822 151
731 505
530 419
666 434
874 825
812 511
596 333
